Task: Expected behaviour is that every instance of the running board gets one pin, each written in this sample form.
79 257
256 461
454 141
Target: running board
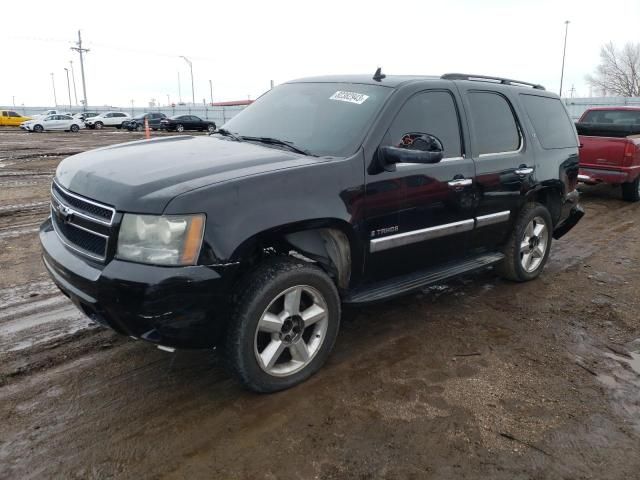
414 281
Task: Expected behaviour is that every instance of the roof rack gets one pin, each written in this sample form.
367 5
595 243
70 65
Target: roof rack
486 78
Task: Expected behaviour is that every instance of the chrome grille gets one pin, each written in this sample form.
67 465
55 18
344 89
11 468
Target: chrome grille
81 224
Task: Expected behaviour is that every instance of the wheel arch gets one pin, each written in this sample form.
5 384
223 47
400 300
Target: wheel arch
550 196
330 242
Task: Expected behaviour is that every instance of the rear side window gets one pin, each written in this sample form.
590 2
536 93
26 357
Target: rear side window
550 121
433 112
616 117
493 123
4 114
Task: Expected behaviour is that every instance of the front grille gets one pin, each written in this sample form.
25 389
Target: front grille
82 224
88 207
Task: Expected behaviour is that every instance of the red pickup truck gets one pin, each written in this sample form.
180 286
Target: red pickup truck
610 148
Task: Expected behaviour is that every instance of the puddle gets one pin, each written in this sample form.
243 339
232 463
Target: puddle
633 360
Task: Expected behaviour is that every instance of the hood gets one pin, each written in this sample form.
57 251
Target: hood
144 176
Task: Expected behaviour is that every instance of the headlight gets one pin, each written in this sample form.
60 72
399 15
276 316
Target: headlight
161 240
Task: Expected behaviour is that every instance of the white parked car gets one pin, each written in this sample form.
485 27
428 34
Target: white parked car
108 119
46 113
53 122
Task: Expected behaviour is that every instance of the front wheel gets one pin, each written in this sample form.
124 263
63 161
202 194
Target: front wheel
38 129
211 128
631 191
138 127
529 244
98 125
285 324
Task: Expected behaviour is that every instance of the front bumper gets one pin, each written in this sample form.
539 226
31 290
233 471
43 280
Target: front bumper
180 307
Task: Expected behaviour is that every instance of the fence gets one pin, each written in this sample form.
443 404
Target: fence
218 114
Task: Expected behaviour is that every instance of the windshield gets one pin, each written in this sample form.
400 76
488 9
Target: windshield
325 119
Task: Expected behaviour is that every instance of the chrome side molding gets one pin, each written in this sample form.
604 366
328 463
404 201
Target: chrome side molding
415 236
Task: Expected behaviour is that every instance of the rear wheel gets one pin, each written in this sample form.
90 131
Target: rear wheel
74 128
285 324
179 128
631 191
527 249
38 129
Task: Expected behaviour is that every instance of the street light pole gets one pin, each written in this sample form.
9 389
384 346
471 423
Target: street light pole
73 77
211 91
193 95
564 52
53 84
68 87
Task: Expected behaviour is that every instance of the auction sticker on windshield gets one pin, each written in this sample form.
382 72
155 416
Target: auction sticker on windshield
351 97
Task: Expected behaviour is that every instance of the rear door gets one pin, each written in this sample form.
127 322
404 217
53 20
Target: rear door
505 165
420 215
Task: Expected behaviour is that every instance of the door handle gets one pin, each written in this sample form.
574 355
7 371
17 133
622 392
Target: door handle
460 182
524 170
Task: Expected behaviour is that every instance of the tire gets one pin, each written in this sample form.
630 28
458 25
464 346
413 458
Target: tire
180 128
211 128
38 128
138 127
98 125
631 191
250 336
527 250
74 128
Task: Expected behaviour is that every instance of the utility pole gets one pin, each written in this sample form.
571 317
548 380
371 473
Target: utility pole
211 92
564 52
14 102
53 84
73 77
132 107
272 84
168 100
193 95
82 51
179 90
68 87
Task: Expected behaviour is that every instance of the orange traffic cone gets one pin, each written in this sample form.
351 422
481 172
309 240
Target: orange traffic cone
147 133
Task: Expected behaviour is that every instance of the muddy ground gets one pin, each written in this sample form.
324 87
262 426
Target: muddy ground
477 379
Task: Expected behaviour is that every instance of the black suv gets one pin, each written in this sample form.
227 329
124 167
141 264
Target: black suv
325 191
137 122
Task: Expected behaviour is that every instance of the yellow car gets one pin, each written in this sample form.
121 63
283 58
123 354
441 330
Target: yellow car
11 118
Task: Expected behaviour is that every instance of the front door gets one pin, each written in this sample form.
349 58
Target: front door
420 215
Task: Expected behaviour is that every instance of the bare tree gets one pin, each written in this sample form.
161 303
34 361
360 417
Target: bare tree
619 70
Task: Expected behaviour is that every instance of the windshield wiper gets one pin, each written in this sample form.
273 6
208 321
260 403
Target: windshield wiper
276 141
226 133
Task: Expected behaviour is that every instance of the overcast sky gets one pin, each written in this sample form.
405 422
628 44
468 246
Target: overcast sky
241 45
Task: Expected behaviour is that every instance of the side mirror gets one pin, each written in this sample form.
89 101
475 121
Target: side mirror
417 148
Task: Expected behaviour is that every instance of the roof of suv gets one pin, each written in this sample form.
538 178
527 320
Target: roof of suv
394 81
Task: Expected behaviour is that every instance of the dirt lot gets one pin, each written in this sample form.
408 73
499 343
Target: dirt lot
479 378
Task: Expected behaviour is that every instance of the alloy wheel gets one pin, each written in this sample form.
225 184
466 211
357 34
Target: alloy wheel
534 244
291 331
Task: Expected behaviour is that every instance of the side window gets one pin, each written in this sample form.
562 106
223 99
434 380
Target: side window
550 121
195 119
493 123
4 114
108 115
13 114
433 112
